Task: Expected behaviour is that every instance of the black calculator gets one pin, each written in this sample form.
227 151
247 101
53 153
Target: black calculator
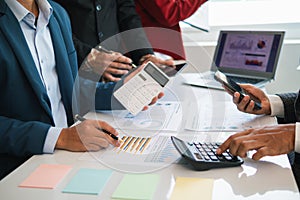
202 156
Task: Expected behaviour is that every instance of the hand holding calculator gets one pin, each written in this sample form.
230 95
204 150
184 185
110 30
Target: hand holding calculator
140 89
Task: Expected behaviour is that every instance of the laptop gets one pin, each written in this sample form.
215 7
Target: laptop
244 56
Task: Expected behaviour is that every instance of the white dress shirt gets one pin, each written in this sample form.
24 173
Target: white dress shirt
277 109
39 41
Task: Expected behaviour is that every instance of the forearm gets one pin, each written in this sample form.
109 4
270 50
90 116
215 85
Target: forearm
280 104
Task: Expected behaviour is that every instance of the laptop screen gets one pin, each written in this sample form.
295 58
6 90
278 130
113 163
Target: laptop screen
248 53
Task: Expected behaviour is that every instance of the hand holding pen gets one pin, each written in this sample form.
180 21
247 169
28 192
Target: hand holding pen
108 64
89 135
101 48
81 119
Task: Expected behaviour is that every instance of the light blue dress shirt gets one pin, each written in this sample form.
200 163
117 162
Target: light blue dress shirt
39 41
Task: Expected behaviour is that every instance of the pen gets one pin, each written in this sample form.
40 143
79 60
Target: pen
80 118
132 65
103 49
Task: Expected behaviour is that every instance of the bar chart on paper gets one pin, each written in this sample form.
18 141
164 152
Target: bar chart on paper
134 144
139 151
157 149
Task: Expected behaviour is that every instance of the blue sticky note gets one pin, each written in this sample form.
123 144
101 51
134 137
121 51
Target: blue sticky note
88 181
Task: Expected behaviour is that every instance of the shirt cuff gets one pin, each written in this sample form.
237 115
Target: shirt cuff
297 138
51 139
277 107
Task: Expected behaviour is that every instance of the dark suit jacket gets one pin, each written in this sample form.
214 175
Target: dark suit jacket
94 21
291 103
25 112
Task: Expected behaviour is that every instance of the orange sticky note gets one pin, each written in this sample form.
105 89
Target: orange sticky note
46 176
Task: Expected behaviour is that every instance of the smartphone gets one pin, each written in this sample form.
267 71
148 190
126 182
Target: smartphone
173 70
233 87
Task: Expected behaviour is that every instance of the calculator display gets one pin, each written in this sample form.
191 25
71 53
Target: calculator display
157 75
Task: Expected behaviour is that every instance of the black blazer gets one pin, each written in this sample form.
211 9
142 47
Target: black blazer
94 21
291 102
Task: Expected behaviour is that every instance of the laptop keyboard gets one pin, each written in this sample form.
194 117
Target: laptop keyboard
245 80
234 78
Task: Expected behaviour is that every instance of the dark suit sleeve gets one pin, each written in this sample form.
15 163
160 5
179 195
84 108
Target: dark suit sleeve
92 95
106 99
22 138
83 49
289 100
129 19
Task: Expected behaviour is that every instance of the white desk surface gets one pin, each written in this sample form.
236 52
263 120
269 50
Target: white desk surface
270 178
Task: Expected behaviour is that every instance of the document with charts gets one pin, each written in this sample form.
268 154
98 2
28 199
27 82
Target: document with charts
136 151
164 115
223 117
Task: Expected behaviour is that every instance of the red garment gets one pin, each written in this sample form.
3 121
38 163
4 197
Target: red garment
166 14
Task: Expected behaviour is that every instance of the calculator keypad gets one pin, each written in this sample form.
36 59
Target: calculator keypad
138 92
206 152
202 156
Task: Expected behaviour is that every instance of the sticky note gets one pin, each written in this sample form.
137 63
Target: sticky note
46 176
192 188
136 186
88 181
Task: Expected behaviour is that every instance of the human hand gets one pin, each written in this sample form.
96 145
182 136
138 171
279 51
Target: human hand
267 141
86 136
110 65
247 105
157 61
132 74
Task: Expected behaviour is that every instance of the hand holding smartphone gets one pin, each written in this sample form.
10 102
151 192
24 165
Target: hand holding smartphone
233 87
174 69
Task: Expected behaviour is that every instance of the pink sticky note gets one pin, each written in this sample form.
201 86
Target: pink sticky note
46 176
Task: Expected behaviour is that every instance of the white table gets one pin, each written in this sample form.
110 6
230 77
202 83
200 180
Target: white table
271 178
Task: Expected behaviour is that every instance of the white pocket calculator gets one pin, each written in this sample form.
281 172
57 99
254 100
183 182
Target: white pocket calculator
140 89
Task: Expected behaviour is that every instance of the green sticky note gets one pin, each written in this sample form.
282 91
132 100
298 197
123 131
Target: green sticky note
136 186
88 181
